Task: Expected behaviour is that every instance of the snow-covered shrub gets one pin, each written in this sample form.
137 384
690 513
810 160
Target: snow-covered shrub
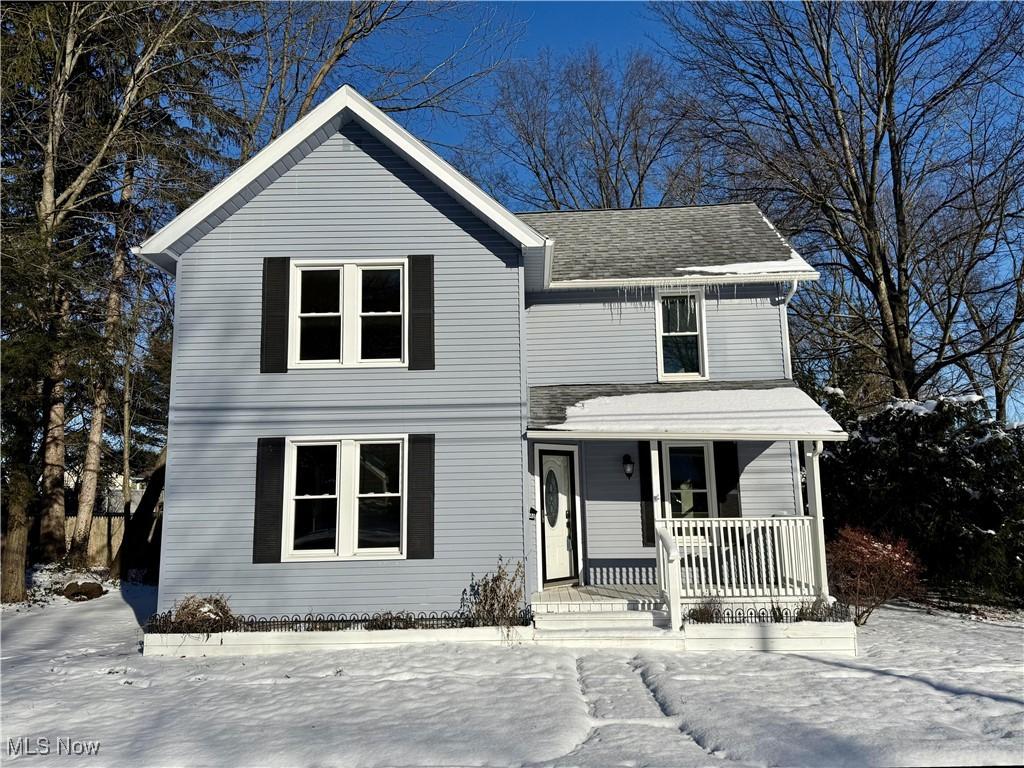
942 475
496 599
867 571
199 615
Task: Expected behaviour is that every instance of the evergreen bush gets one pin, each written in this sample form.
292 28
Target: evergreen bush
942 475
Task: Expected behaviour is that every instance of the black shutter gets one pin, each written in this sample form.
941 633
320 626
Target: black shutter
420 505
727 478
421 313
266 533
274 334
643 466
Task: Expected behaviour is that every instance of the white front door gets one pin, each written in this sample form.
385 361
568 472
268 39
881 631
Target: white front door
558 526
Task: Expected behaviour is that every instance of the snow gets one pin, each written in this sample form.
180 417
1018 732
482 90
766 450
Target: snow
925 407
834 391
926 690
779 411
781 267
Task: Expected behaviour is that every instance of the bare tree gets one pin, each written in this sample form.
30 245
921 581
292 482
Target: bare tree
301 50
583 132
888 138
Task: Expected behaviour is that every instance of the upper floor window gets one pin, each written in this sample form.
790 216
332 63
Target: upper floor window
681 343
347 314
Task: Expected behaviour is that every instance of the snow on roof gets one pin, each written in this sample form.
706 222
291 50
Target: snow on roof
783 413
794 265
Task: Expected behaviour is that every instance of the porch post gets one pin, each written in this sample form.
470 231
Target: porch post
812 450
659 512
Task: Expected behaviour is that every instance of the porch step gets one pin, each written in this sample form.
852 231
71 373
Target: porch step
612 621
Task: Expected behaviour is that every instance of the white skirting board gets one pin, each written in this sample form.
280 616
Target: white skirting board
809 636
802 637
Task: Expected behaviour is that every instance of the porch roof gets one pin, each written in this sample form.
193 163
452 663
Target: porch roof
739 410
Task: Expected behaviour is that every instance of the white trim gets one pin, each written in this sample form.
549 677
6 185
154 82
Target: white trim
802 637
347 495
702 336
709 474
412 149
678 282
564 447
402 313
553 433
350 285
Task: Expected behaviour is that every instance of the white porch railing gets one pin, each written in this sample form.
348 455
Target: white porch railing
743 556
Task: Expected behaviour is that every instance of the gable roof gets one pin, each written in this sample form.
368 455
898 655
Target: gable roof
164 247
694 244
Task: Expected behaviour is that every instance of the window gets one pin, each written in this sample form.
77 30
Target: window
379 512
320 315
347 314
681 349
380 313
689 479
345 498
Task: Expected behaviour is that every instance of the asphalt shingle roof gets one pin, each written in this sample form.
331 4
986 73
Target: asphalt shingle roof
654 242
549 403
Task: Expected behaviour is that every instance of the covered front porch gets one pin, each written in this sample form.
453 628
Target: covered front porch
658 503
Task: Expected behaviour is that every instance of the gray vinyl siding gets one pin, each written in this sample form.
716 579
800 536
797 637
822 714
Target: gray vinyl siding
768 473
615 550
745 332
349 196
590 338
611 504
610 337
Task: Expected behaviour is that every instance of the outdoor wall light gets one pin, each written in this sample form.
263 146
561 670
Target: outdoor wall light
627 466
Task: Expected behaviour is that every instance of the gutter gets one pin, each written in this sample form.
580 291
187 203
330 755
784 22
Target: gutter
669 282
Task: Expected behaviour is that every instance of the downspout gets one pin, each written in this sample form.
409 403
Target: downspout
790 293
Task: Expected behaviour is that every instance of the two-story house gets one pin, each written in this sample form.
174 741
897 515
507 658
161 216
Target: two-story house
383 380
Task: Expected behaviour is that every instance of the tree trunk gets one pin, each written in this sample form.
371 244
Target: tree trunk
52 539
15 547
79 550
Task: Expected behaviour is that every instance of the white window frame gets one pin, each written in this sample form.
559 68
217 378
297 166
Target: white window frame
702 336
350 310
666 476
347 492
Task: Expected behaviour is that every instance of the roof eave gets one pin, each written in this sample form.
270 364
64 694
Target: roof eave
683 281
165 260
570 434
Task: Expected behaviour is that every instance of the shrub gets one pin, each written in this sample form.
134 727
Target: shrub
707 611
822 610
866 571
942 475
390 620
495 599
196 615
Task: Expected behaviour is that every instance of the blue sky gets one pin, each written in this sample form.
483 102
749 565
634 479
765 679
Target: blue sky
613 27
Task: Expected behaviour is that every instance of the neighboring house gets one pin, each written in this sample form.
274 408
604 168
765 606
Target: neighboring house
383 381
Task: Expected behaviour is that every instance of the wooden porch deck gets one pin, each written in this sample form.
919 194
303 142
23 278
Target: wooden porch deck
583 599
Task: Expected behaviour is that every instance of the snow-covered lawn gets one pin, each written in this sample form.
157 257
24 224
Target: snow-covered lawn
926 690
